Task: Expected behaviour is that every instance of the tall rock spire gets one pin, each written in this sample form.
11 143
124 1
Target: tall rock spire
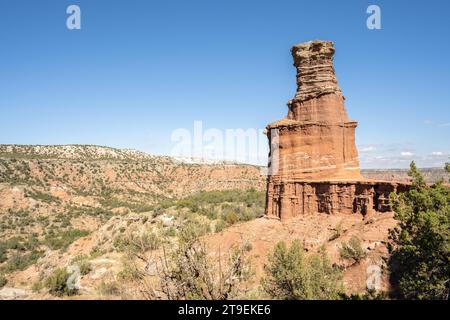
317 139
314 166
315 72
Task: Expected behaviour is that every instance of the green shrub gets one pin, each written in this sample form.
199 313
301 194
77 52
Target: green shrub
293 276
96 252
368 295
138 207
170 232
44 197
83 263
250 213
57 283
3 281
192 229
230 218
19 262
337 232
64 238
220 225
32 242
138 242
192 272
37 286
14 243
238 205
353 250
110 288
420 245
3 256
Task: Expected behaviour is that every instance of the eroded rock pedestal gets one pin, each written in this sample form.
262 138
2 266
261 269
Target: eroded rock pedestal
314 165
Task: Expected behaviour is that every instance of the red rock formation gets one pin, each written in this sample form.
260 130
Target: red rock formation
314 163
287 199
316 139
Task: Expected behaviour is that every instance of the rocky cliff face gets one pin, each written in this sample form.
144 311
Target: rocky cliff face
314 161
317 139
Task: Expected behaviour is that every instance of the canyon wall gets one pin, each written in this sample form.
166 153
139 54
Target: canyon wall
287 199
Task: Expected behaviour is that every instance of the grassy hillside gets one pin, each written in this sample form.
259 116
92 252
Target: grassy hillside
50 196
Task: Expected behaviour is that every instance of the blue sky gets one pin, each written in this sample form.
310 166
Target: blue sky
138 70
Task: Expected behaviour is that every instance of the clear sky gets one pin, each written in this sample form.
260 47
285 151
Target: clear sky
138 70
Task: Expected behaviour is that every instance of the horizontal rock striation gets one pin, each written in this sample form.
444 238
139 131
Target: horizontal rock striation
315 71
317 139
314 164
288 199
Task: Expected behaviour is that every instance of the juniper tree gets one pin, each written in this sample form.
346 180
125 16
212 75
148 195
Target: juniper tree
420 244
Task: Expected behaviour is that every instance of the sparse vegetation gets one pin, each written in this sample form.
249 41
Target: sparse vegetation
291 275
40 196
337 232
248 197
228 206
138 242
38 286
63 239
352 250
138 207
21 261
83 263
78 192
3 281
109 288
193 273
368 295
3 256
220 225
193 228
58 285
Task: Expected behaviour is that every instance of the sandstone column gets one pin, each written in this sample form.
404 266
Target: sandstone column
316 141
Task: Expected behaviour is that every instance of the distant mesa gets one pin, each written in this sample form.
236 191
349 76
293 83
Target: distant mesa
314 164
